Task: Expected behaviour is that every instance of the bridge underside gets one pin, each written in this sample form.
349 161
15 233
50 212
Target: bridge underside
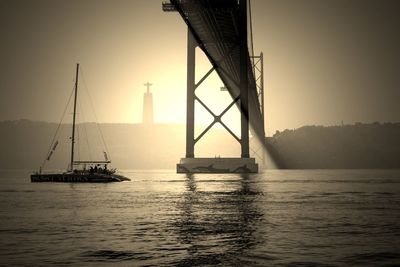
219 29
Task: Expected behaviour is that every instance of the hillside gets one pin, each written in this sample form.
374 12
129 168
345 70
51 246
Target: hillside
356 146
24 145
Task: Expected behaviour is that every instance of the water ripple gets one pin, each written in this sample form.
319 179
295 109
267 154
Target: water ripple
112 255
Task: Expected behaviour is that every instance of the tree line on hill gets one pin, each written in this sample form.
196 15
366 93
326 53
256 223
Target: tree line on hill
358 146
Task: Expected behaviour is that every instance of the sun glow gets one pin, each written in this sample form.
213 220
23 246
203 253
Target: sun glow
169 96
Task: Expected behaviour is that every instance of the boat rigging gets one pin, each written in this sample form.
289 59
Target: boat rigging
74 173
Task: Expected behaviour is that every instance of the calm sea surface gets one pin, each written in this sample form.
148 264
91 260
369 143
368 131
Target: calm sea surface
160 218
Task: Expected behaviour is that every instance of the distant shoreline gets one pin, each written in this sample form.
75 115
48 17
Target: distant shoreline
358 146
136 146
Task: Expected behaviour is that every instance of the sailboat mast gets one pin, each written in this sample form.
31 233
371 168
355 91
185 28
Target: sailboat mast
74 117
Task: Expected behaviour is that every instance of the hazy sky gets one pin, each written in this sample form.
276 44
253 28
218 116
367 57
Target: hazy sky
325 61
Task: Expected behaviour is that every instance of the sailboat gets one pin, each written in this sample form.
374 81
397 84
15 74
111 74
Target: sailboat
97 171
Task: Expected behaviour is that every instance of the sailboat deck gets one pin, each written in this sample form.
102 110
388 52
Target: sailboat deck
78 178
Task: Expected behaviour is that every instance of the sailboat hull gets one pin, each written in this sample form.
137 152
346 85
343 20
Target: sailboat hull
78 178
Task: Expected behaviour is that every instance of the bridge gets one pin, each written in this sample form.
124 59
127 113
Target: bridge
220 29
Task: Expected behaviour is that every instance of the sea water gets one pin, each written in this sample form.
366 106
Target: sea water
160 218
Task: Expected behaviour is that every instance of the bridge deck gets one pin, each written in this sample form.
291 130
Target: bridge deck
215 26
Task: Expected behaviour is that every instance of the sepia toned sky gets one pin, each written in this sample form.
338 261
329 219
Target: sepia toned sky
325 61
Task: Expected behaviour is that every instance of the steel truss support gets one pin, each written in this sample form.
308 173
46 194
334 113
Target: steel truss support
244 79
192 97
242 100
257 146
258 70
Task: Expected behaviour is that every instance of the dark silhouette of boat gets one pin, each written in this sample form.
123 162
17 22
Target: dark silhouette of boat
78 177
79 171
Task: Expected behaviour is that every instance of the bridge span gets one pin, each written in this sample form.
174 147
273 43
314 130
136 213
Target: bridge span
220 29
